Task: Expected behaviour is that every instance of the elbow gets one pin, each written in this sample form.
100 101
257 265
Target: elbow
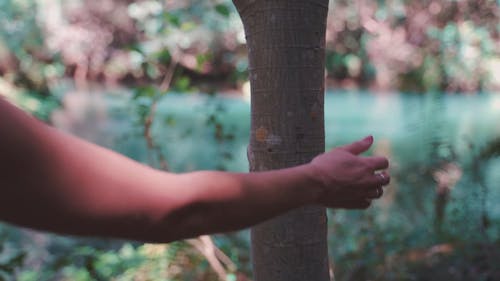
201 207
184 222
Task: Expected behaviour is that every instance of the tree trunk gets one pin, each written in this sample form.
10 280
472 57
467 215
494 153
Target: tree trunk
285 40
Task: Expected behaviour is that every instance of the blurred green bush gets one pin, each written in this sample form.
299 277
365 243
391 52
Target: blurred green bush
402 45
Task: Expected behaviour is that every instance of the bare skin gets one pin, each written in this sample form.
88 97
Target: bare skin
55 182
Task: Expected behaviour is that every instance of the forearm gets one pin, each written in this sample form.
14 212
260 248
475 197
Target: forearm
231 201
53 181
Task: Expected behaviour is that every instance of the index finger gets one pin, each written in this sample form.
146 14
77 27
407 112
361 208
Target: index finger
377 162
358 147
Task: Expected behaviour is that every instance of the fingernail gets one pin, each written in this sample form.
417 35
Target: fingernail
369 138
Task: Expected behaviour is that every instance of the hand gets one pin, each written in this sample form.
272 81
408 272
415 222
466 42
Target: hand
348 180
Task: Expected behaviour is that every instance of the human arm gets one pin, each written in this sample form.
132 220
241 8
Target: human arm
56 182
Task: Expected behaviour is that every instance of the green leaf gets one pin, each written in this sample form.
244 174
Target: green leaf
231 277
222 9
29 275
146 91
182 84
201 59
164 56
188 26
152 71
170 121
172 19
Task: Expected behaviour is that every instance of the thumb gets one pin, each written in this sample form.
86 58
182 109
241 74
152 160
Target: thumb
360 146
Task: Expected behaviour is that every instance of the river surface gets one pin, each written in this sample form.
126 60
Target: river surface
414 128
433 141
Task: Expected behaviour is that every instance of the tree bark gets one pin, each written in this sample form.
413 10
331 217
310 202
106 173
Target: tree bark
285 40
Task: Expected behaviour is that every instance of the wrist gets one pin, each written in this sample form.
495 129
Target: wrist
315 183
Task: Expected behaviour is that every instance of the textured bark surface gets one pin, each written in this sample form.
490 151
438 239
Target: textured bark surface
285 40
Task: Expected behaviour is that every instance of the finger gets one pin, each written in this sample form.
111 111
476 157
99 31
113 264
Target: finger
377 179
375 193
354 204
360 146
377 163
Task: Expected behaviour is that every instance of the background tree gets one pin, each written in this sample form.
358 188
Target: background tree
285 40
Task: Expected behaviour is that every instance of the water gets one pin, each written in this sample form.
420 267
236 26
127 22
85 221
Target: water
421 135
432 140
407 125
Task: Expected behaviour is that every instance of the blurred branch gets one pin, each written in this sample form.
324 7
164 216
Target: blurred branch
215 257
165 85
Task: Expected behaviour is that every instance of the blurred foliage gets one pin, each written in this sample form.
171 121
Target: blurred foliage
58 258
405 238
48 47
414 46
121 42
